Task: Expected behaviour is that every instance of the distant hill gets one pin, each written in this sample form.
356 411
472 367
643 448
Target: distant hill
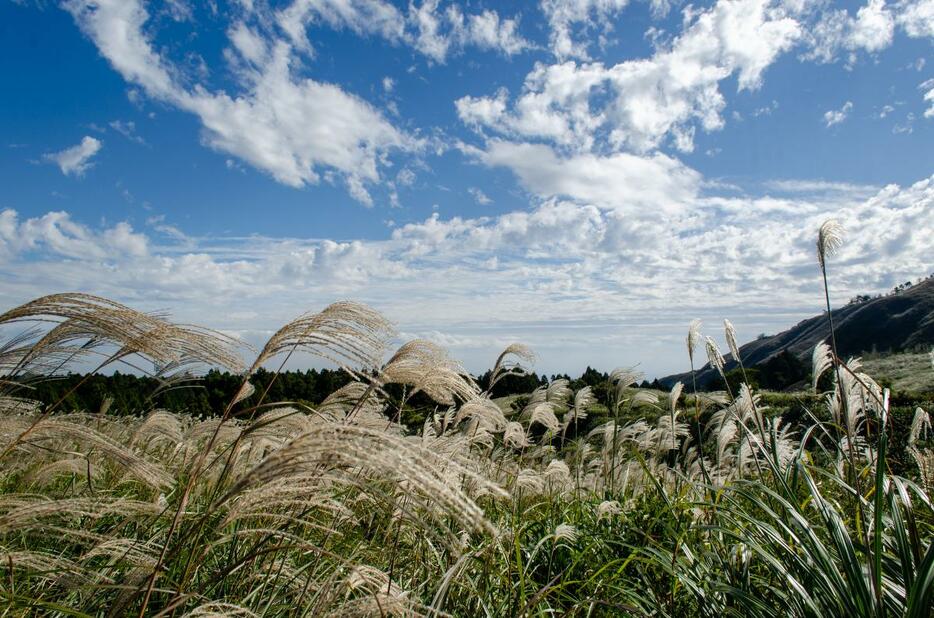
900 321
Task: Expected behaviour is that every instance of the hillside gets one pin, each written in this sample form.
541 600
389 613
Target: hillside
905 371
893 323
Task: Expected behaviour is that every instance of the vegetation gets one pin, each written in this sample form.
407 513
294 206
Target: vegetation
673 504
905 372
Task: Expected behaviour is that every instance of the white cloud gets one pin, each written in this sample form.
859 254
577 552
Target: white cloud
479 196
636 104
286 125
622 181
56 235
916 17
127 129
573 280
906 127
360 16
856 191
75 161
436 34
563 15
292 127
576 24
928 89
871 29
836 116
116 27
428 29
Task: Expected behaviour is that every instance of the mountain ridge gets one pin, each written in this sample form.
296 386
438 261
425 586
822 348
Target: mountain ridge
899 321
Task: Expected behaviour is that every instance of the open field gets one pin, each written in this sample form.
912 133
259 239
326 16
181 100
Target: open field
667 504
907 371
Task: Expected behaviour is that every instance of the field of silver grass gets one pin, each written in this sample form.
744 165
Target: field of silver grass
704 505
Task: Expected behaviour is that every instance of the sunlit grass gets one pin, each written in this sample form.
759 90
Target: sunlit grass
671 504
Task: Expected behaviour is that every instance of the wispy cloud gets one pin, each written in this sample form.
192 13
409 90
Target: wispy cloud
127 128
75 161
290 127
479 196
834 117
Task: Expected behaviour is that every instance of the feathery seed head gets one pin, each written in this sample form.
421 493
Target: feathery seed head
821 361
608 508
565 532
731 339
694 336
829 240
714 355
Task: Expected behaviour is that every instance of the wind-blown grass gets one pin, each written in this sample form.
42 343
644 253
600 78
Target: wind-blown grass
679 505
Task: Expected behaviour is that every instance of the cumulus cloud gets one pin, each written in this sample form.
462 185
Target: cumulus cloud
75 161
625 182
57 235
836 116
563 16
430 30
916 17
289 126
573 24
636 104
870 29
437 33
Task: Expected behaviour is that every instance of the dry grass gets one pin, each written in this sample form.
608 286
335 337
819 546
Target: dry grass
703 505
907 371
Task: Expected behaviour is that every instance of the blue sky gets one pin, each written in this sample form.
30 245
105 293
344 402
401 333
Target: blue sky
585 177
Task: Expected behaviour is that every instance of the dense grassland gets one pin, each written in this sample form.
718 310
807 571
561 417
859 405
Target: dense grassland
655 503
908 371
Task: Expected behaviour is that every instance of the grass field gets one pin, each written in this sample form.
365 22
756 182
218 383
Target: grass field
671 504
909 371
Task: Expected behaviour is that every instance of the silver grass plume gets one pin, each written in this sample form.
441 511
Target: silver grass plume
714 355
674 396
434 480
47 430
488 415
558 392
348 334
583 399
246 390
381 596
821 361
544 414
920 425
514 435
693 338
829 240
565 532
731 339
509 362
92 318
427 368
608 508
